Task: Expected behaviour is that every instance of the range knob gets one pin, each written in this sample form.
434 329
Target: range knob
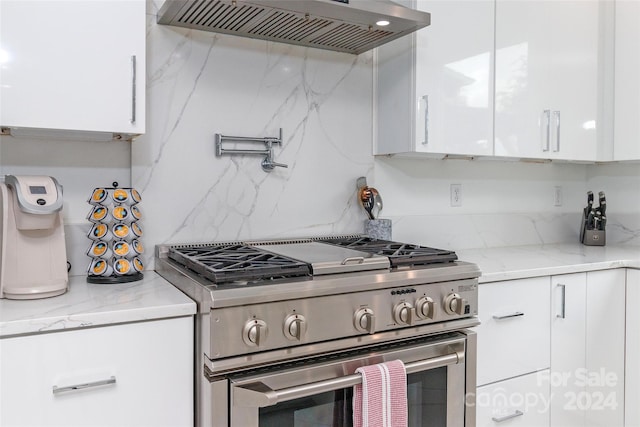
425 308
403 312
364 320
295 327
454 304
254 333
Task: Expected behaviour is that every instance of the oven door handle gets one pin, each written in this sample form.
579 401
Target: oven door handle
258 394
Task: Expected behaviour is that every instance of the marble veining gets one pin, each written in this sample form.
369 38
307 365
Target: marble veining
86 305
204 83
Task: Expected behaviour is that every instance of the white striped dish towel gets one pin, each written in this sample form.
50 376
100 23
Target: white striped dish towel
381 399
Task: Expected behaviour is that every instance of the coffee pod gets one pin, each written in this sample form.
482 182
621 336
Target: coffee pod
100 249
100 267
137 264
98 214
137 247
98 196
120 213
121 231
100 232
135 196
135 228
122 266
121 248
135 213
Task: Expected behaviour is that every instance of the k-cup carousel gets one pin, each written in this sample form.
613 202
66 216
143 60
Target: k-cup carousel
116 250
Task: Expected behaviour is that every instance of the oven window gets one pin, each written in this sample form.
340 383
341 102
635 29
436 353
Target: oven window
426 395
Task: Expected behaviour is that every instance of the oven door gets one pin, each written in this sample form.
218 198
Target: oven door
318 392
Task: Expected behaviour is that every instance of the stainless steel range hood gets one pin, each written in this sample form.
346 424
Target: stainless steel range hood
340 25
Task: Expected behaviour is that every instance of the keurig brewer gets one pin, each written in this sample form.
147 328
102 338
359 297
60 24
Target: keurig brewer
33 259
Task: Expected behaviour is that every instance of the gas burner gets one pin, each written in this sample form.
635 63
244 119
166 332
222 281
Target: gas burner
236 262
399 254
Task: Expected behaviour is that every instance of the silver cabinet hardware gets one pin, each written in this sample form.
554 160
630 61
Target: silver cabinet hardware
83 386
546 129
509 316
133 89
556 139
425 100
562 314
508 417
268 164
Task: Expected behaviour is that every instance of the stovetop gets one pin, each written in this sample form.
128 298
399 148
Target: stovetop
277 259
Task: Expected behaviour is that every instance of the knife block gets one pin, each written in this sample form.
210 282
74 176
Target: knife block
592 237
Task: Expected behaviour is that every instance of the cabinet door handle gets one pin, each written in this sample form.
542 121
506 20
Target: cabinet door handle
509 316
508 417
133 89
546 129
82 386
556 142
562 314
425 99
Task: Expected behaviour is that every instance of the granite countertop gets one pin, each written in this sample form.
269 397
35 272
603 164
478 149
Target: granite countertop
87 305
520 262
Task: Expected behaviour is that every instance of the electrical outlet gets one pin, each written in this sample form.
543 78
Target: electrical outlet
557 195
456 195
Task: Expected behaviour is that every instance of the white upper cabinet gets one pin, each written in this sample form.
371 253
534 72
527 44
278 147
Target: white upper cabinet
434 88
547 79
73 65
626 144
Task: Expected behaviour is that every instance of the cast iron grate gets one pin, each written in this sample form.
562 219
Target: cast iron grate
236 262
399 254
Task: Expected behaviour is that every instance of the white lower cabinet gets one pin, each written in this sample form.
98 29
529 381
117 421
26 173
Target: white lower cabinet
576 354
587 349
138 374
632 368
513 337
521 401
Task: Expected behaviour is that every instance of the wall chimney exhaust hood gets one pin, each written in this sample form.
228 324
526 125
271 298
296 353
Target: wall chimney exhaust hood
352 26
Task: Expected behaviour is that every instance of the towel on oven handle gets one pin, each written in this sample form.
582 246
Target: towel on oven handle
381 399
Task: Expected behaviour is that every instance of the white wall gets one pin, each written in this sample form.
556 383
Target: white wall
203 83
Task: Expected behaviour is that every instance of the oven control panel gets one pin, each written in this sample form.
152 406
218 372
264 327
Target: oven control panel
274 325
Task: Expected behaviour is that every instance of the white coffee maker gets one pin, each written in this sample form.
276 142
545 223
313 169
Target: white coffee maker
33 258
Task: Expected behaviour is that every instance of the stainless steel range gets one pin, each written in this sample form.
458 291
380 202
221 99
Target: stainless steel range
283 324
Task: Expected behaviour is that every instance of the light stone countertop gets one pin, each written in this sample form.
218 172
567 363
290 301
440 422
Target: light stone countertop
518 262
88 305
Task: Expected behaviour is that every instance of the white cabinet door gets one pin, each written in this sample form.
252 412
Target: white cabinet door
435 87
626 144
517 402
604 348
632 367
73 65
568 334
587 349
513 336
546 75
147 368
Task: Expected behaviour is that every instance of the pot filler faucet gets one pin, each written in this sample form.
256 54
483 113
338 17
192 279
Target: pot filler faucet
268 164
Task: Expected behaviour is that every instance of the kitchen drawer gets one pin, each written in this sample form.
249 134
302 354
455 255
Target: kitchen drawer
138 374
514 335
518 402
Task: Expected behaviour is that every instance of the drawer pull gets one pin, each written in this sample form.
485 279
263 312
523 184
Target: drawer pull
508 417
509 316
563 307
83 386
